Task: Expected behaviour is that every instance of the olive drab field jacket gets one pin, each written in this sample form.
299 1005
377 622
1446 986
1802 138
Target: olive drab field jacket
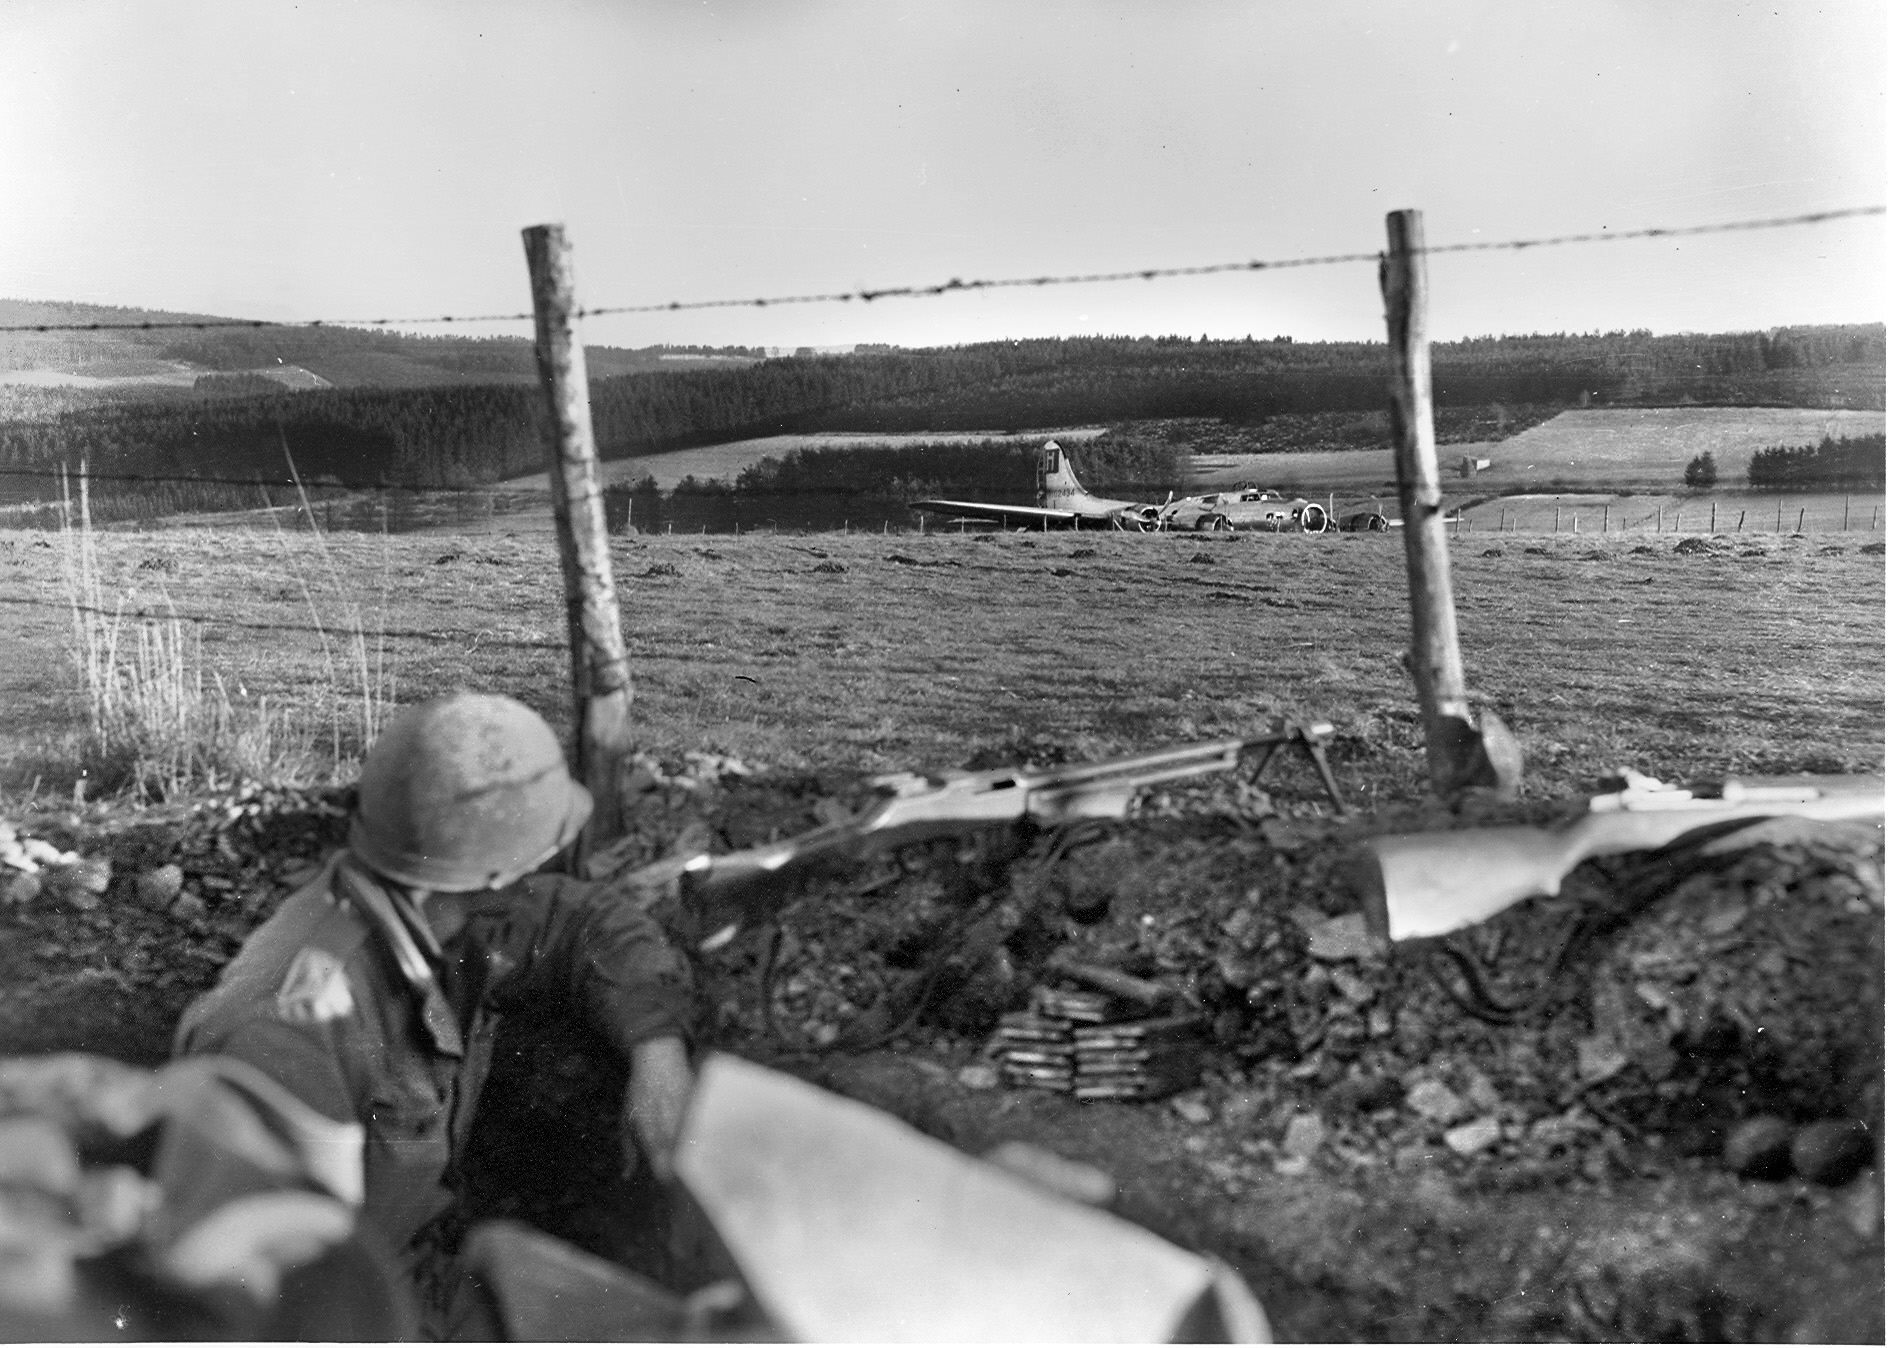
345 997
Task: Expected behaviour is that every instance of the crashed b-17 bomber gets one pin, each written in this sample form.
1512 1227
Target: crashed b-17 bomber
1063 503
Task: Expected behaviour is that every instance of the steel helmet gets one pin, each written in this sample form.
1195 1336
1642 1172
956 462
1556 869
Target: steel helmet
467 791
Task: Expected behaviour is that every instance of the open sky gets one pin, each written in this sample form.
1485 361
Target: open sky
331 159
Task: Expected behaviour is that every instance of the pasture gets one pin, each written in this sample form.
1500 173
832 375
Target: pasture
880 652
1594 449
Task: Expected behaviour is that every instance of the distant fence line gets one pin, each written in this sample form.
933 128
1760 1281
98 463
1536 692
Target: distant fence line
1799 512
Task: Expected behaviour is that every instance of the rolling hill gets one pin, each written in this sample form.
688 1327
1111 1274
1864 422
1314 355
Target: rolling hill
138 362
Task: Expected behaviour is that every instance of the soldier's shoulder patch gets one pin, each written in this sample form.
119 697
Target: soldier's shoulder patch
315 989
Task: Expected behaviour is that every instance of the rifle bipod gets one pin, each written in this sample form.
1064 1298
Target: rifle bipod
1310 737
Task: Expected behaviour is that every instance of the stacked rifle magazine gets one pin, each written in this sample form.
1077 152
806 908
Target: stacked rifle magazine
1095 1047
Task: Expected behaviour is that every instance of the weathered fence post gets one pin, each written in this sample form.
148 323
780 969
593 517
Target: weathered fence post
599 665
1458 754
1606 516
1714 517
1740 521
1799 518
1845 512
1556 519
1779 514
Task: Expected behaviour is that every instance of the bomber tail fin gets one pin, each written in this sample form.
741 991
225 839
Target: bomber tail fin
1055 477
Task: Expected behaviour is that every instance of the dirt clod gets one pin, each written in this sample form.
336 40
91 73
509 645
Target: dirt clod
1759 1148
160 885
1831 1151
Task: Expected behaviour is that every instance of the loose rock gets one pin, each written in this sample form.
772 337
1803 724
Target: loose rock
980 1076
1193 1108
1471 1138
1862 1208
1433 1100
1341 938
160 886
1303 1135
1831 1151
1759 1148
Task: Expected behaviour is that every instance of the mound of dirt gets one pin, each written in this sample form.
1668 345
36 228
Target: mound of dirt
1377 1160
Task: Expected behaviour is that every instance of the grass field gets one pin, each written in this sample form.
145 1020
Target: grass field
1634 448
877 652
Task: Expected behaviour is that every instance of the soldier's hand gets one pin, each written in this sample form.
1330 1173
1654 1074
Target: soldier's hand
660 1082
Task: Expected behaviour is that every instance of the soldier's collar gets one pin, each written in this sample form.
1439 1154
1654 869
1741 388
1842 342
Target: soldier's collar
387 912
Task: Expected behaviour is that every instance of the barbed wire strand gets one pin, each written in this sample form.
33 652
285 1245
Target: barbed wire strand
957 286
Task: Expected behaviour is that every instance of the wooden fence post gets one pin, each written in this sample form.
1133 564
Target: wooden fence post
1458 754
599 664
1799 518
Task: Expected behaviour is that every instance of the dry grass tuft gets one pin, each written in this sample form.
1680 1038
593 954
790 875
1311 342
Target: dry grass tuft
160 722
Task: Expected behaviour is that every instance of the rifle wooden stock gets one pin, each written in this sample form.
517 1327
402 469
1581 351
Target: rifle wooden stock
1429 884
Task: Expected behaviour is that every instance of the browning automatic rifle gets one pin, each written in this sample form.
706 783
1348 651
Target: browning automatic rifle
724 892
1430 884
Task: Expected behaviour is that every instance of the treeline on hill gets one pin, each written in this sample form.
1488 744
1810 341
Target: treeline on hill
1111 463
868 486
1857 462
482 433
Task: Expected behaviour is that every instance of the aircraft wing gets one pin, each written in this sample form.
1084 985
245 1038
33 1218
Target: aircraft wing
1032 517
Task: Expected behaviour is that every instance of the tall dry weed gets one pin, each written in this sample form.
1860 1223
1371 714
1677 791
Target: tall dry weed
359 699
161 723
